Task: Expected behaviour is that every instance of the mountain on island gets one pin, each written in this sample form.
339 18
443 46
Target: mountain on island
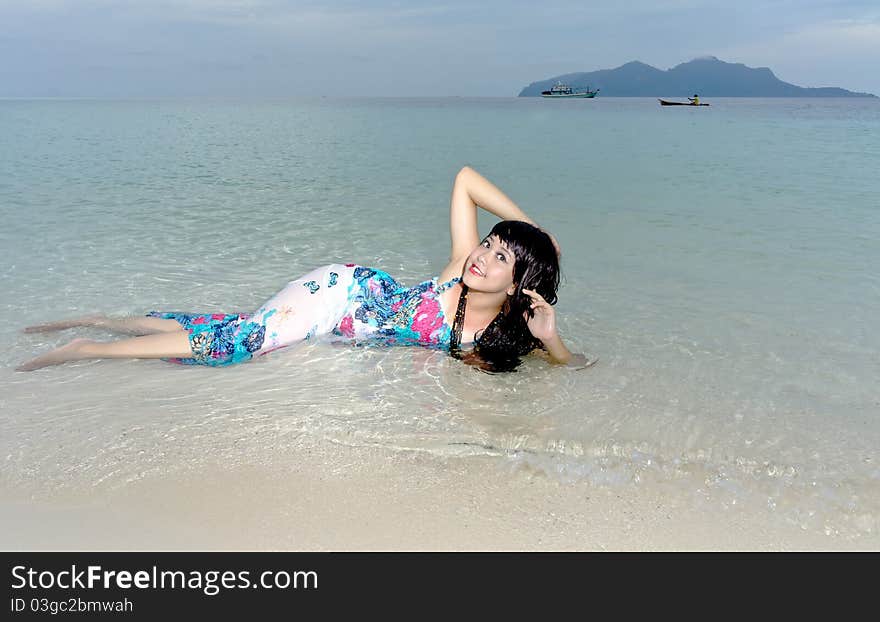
707 76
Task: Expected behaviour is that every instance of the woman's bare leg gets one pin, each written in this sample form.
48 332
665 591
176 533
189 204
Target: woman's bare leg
161 345
86 320
128 325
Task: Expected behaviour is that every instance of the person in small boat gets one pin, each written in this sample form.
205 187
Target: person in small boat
695 100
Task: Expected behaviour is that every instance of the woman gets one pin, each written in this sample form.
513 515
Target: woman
499 292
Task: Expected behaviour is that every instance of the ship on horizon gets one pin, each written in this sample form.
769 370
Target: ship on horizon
560 90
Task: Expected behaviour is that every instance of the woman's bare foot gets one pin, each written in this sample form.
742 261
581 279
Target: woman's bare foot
69 352
86 320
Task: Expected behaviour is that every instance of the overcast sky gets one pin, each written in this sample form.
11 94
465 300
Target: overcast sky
158 48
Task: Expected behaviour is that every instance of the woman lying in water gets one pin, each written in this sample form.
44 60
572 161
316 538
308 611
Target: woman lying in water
499 292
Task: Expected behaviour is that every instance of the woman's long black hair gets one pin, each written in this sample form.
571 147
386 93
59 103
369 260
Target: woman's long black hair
507 337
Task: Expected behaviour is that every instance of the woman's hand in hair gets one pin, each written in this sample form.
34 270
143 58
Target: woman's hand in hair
542 324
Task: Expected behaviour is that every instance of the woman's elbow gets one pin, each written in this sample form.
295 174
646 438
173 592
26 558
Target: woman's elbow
465 170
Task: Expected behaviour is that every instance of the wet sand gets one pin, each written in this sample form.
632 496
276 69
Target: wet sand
341 498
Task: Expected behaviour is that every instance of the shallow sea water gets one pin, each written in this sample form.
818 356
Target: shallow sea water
721 262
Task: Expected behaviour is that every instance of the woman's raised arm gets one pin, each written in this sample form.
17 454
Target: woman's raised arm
472 190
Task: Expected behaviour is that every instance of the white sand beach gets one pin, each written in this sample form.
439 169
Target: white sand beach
339 498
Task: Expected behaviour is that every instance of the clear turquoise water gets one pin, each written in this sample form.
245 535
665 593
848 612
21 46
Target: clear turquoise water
722 262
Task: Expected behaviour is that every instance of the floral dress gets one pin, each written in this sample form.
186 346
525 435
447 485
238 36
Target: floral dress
343 302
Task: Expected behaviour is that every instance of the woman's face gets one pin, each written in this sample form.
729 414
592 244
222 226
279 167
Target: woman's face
489 268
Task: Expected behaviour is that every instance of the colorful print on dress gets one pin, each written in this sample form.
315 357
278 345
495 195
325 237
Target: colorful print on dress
255 338
361 304
217 339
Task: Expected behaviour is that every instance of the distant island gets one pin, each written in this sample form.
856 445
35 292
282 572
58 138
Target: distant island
707 76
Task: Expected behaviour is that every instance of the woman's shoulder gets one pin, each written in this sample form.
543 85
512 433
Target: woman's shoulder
452 270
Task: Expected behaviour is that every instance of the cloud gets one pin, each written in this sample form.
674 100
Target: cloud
838 52
418 47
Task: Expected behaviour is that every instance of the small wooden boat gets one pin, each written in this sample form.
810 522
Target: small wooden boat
663 102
